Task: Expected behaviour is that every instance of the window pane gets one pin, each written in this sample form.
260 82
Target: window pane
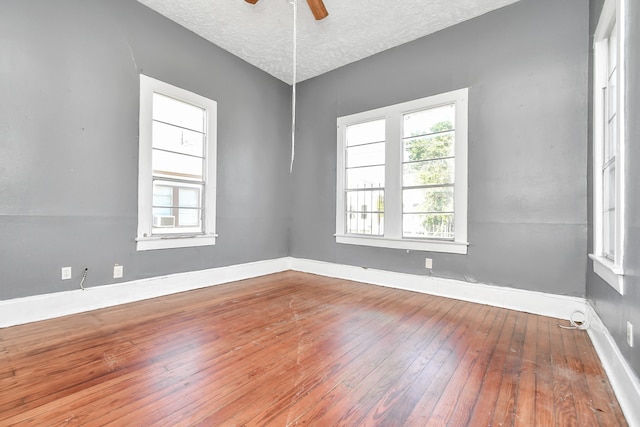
189 197
365 133
429 147
172 138
609 187
429 172
367 201
169 110
176 165
438 199
189 217
432 226
611 141
176 194
613 48
613 96
162 196
365 223
429 121
177 206
178 220
365 155
367 177
609 233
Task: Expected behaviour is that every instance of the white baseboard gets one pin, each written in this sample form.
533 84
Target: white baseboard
40 307
624 382
551 305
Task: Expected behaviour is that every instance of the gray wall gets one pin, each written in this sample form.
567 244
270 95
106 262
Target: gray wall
526 66
69 144
615 310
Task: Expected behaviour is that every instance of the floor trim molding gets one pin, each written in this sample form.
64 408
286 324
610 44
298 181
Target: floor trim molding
624 382
47 306
558 306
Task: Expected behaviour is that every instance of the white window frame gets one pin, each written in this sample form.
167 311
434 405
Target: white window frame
393 114
145 239
612 271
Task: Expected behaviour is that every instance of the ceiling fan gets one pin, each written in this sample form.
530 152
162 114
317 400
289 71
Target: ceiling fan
316 6
319 12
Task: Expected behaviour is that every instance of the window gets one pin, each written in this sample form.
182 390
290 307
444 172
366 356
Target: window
608 185
402 175
176 181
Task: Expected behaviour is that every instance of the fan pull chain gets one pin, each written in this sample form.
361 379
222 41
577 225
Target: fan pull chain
293 94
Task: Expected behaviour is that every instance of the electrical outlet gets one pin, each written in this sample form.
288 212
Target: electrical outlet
629 334
118 271
66 273
428 263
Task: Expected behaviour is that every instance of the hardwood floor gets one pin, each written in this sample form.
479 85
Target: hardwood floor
298 349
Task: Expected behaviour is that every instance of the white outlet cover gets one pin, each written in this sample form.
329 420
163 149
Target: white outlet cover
65 273
428 263
118 271
630 334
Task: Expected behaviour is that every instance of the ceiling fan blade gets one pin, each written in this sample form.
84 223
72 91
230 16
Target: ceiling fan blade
317 8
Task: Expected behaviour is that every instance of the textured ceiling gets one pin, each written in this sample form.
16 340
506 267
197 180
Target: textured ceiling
261 34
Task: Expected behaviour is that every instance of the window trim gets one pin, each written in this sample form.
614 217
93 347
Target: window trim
145 240
611 271
393 175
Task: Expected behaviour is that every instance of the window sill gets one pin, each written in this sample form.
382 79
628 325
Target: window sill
416 245
153 243
609 272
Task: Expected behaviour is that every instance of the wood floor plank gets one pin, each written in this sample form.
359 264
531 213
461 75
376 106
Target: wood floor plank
485 406
439 374
504 410
378 330
336 365
367 389
298 349
565 407
392 404
238 396
601 396
250 354
63 377
253 368
326 393
544 402
580 394
525 411
477 358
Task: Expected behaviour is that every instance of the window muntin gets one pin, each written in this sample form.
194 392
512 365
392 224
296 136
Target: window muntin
408 183
177 167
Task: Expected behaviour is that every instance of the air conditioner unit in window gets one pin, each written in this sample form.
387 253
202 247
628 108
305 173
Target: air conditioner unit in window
164 221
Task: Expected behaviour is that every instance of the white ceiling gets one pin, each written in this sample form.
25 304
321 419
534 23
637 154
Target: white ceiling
262 34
